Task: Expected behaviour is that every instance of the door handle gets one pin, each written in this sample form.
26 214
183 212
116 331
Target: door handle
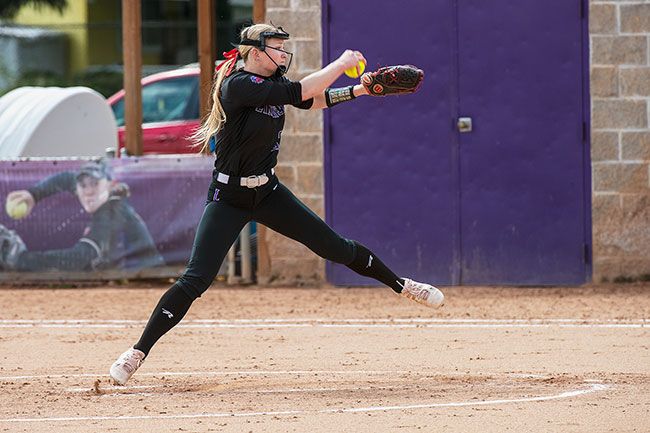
465 124
165 137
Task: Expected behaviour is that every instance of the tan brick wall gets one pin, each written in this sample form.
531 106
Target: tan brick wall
620 142
301 155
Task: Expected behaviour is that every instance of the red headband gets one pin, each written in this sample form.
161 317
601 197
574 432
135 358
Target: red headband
230 55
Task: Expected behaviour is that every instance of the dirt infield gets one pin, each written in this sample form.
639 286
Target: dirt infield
353 360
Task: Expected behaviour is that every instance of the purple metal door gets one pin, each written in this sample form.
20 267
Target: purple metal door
389 163
522 168
506 203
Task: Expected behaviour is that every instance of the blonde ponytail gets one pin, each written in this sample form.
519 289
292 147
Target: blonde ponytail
217 117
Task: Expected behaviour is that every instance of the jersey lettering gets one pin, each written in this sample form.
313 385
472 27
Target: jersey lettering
275 111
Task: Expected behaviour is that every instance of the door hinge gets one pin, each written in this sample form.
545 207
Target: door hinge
587 255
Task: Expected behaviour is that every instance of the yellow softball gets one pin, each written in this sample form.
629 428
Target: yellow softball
16 210
356 71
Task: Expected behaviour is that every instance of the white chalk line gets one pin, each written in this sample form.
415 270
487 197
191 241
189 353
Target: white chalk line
119 390
229 373
334 323
114 388
567 394
360 326
332 320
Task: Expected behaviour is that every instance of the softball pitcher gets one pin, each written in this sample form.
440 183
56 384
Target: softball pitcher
244 131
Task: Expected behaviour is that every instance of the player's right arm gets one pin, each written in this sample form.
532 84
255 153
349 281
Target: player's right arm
249 90
313 85
59 182
51 185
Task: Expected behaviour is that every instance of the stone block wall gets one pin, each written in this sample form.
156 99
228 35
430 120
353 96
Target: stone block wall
301 156
620 143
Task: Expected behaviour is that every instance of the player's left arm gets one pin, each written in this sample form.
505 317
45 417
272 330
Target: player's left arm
388 80
320 101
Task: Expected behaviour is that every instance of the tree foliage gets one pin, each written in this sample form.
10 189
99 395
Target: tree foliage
9 8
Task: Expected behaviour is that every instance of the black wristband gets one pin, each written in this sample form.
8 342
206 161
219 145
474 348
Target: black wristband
336 96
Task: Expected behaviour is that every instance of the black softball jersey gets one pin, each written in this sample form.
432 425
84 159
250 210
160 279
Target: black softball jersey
248 142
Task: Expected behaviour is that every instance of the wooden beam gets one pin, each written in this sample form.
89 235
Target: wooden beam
259 11
263 255
207 53
132 56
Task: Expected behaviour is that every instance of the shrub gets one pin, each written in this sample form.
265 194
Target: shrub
103 81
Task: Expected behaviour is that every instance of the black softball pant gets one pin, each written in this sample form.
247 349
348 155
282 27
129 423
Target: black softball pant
228 209
280 211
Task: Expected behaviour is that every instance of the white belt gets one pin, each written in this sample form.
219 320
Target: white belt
248 182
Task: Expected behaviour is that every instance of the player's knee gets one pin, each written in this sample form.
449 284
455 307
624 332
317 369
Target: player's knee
177 295
193 285
359 256
337 250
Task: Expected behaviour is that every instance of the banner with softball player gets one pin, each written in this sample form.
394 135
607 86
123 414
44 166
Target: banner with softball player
88 216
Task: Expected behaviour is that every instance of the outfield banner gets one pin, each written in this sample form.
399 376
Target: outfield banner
127 214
